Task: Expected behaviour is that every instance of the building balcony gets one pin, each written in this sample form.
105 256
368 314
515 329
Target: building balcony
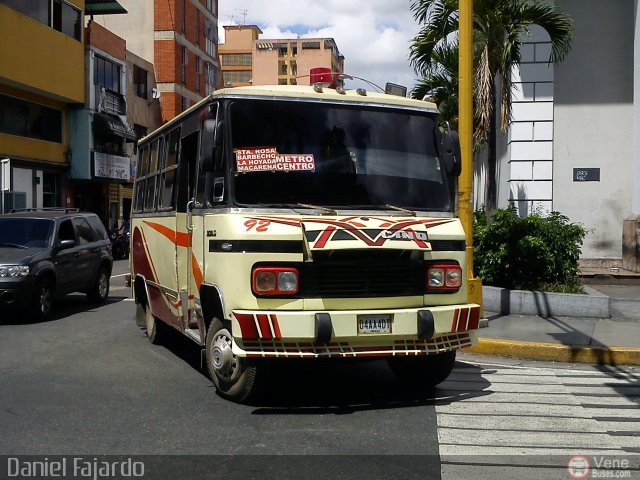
108 101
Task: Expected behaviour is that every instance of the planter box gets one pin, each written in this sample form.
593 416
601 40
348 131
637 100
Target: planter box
591 304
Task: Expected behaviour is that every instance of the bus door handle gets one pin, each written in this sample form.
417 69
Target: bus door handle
189 225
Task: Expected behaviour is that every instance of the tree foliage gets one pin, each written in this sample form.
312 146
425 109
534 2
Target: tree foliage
532 253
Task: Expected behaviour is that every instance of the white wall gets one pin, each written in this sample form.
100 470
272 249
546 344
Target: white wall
593 122
23 182
530 142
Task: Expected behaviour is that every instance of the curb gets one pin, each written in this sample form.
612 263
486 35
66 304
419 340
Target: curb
558 353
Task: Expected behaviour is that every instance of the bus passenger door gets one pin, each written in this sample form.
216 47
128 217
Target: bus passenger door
185 202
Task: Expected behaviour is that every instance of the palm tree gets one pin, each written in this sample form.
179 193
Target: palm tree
499 26
440 82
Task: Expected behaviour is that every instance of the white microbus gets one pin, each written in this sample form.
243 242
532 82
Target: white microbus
302 222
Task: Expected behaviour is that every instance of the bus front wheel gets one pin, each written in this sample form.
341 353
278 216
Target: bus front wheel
234 377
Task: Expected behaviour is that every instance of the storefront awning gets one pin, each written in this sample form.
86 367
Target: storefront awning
112 125
102 7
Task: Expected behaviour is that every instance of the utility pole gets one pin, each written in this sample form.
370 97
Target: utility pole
465 124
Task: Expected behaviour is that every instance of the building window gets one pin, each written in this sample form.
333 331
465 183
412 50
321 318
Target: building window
210 38
198 73
237 60
211 6
57 14
50 190
184 16
106 74
185 103
197 27
184 64
31 120
210 78
66 19
311 45
140 82
231 77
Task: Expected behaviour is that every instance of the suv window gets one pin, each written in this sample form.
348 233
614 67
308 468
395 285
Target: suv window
99 231
65 231
25 232
85 234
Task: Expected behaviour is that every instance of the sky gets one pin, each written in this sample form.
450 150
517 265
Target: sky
373 35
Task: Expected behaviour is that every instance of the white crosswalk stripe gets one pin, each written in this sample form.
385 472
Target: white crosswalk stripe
528 422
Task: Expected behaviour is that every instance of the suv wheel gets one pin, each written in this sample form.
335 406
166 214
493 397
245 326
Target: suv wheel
43 299
100 289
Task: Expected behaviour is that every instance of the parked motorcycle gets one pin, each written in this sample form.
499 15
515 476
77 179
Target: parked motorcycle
119 244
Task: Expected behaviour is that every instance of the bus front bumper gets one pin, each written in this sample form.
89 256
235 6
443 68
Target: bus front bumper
362 333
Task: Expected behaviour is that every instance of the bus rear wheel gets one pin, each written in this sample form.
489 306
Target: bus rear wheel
424 371
235 378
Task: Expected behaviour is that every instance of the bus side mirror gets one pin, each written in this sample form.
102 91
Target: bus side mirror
211 146
451 153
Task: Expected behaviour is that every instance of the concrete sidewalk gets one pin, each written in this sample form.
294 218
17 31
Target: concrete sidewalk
569 339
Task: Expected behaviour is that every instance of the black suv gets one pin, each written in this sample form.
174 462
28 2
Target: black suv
45 254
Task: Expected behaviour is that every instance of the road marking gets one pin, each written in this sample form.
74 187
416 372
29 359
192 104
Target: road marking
119 275
533 419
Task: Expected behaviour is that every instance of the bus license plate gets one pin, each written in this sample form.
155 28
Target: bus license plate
368 324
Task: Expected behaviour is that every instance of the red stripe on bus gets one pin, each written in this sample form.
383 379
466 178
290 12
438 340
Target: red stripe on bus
324 238
247 325
181 239
265 329
454 324
462 322
276 326
197 273
474 319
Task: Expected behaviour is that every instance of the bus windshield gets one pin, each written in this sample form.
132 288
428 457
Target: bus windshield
333 155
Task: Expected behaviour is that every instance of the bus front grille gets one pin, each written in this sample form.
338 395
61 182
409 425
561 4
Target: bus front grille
360 273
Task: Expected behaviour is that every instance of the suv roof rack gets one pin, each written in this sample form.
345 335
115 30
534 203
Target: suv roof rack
45 209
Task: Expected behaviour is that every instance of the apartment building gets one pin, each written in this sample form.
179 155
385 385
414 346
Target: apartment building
41 81
246 59
179 37
119 108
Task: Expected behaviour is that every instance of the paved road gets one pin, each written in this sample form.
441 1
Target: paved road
89 383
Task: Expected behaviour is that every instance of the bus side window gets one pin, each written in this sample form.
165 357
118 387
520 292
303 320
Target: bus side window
141 171
186 170
152 179
168 178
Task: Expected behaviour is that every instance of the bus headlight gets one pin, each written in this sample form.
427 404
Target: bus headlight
445 277
274 281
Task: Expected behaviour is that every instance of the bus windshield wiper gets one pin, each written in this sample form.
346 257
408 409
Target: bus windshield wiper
318 207
400 209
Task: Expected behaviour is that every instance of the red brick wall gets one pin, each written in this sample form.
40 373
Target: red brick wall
168 15
105 40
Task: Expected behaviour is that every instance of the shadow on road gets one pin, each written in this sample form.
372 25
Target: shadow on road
340 386
62 308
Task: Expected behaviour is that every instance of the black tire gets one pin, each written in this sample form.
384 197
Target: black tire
42 304
157 330
99 292
235 378
425 371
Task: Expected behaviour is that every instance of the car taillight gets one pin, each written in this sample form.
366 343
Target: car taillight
445 277
274 281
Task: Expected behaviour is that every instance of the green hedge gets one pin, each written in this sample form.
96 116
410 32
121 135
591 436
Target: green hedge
531 253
